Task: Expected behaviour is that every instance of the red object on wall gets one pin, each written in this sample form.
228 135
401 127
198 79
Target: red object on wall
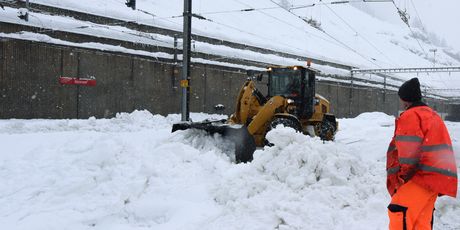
77 81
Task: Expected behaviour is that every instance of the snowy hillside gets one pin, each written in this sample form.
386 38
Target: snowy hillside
360 34
130 172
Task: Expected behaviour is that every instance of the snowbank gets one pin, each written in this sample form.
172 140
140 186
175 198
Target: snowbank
130 172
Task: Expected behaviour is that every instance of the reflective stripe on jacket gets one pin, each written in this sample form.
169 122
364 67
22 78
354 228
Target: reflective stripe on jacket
421 151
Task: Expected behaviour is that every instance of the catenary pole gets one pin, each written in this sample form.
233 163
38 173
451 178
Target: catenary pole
27 12
185 82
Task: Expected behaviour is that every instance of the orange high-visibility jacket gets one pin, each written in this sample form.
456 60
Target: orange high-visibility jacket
421 151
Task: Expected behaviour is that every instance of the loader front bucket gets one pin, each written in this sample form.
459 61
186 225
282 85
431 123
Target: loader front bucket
243 141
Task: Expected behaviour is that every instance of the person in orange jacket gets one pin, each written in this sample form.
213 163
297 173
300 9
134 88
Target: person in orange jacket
420 163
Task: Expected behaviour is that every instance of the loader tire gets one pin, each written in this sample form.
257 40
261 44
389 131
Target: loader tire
327 131
291 123
287 122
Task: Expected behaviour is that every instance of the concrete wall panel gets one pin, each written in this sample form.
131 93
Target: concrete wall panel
167 97
29 87
343 102
197 91
214 84
143 84
392 103
114 83
29 82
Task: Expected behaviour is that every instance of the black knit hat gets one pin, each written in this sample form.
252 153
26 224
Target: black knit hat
410 91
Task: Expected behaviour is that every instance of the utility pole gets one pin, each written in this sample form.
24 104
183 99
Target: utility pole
131 3
24 13
27 13
351 94
174 69
185 82
434 56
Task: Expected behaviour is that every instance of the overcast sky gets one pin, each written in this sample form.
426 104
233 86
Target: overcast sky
441 17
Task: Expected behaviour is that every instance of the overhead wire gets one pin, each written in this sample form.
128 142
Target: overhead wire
332 37
413 33
154 17
200 16
350 28
284 22
423 28
287 23
216 22
410 28
359 34
247 32
266 8
238 10
144 34
335 3
418 15
261 9
230 27
277 7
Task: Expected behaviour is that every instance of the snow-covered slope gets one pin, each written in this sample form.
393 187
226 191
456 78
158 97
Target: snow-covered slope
130 172
362 34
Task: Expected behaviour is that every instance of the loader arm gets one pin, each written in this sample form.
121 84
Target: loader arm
266 113
249 101
243 103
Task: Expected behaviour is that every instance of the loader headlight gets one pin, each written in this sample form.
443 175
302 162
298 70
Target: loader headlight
316 101
290 101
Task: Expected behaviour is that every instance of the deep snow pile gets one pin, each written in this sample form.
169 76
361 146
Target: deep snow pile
130 172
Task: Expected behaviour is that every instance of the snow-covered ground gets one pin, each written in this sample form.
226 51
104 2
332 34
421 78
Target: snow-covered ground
131 172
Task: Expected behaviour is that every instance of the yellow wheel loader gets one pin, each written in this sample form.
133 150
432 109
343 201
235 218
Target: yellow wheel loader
291 101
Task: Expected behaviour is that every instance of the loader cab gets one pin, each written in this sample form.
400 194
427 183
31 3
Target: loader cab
296 83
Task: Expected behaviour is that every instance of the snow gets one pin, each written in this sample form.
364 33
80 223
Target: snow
92 45
131 172
367 35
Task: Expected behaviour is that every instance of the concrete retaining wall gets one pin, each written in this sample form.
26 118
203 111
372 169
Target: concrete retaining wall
453 113
29 87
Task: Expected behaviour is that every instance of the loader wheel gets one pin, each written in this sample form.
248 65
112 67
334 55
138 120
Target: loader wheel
291 123
327 131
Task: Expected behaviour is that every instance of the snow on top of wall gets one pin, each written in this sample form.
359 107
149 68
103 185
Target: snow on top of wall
370 36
